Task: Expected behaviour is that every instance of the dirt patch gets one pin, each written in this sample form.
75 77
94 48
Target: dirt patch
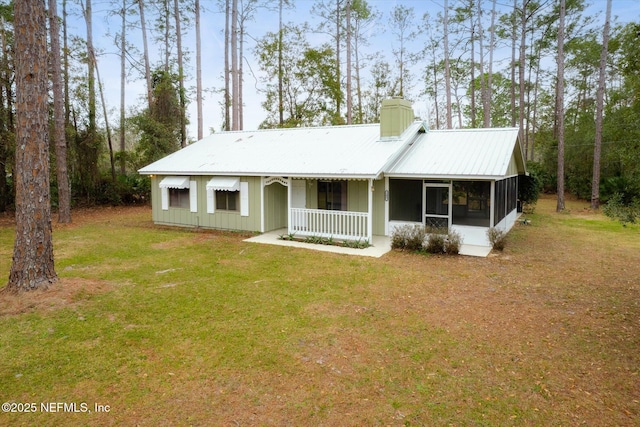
66 292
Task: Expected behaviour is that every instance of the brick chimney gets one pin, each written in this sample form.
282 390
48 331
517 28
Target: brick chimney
396 115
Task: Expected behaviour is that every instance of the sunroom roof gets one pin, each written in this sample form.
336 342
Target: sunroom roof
460 153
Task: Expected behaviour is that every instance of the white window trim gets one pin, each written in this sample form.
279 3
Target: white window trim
193 196
244 198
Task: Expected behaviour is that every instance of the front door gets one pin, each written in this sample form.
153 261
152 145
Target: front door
437 204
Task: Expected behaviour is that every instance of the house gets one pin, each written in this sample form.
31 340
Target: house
344 182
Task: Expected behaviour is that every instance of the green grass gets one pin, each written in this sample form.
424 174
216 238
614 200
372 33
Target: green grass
174 327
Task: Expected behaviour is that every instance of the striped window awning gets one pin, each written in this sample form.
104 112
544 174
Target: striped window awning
224 183
175 182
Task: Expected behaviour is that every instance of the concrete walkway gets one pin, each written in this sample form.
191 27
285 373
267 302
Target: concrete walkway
381 245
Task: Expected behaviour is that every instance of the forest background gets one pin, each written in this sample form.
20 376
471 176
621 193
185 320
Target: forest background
144 78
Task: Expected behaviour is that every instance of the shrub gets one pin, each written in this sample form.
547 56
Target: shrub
616 208
530 186
435 243
408 236
398 237
415 238
497 238
453 243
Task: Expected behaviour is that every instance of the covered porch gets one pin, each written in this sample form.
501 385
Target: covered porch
332 208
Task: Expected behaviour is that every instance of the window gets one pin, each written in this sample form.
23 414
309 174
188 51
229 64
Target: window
332 195
178 192
506 196
227 200
405 200
472 203
179 198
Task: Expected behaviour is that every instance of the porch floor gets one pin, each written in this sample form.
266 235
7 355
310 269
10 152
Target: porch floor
381 245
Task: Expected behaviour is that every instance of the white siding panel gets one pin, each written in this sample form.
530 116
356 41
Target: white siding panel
193 196
211 201
244 199
164 195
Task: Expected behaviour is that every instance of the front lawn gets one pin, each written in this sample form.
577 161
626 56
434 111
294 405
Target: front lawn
164 326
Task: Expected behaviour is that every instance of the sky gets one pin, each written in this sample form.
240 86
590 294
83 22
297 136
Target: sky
106 25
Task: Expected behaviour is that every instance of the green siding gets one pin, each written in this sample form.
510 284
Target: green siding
275 206
396 115
357 200
312 194
513 167
378 207
357 196
218 220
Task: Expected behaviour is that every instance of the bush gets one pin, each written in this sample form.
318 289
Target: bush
410 237
436 243
453 243
497 238
438 240
616 208
530 186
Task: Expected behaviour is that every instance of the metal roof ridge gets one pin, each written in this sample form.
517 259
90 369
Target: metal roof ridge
491 129
226 132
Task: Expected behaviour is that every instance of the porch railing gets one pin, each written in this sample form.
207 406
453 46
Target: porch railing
344 225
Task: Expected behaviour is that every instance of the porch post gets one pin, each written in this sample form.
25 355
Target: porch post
370 212
289 185
262 204
492 201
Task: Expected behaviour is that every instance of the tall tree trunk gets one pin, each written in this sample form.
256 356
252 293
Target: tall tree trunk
483 86
89 158
240 75
595 185
123 79
199 72
560 107
167 35
227 70
521 79
235 118
349 98
280 65
91 81
534 120
358 81
32 266
447 68
338 77
514 38
489 93
60 140
145 47
106 122
473 64
5 111
181 94
65 65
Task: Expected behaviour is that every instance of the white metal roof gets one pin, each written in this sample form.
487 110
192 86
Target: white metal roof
459 153
339 151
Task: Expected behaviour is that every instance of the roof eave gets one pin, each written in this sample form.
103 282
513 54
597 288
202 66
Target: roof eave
446 177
